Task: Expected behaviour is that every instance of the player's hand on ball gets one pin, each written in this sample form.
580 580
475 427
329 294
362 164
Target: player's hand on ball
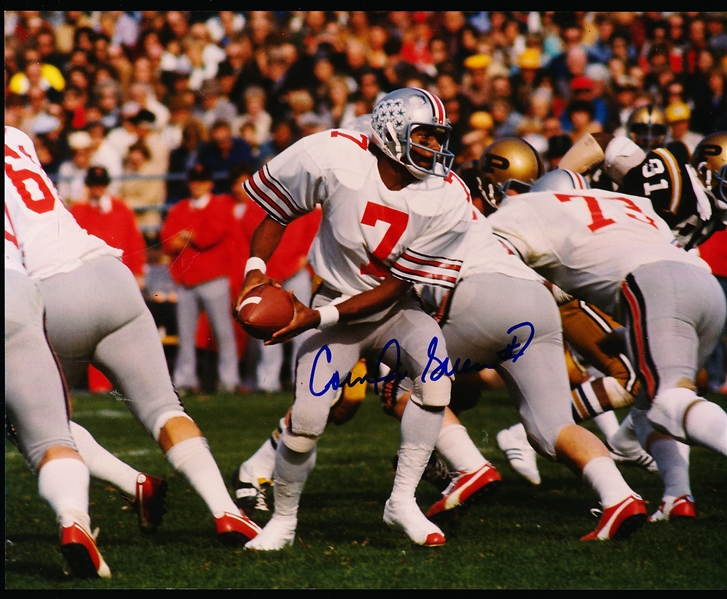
304 319
254 278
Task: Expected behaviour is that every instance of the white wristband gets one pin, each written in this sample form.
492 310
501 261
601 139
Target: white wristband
255 264
329 316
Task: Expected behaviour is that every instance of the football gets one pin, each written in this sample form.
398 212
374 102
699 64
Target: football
265 310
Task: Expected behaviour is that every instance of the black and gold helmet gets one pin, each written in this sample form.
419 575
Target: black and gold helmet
508 163
647 127
710 162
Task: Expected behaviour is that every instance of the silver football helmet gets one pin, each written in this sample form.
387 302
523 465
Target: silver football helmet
560 180
398 114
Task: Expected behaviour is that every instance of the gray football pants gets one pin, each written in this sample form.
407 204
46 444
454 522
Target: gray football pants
35 396
513 325
96 314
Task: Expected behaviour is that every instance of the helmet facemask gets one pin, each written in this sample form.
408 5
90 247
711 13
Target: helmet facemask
648 136
709 160
715 184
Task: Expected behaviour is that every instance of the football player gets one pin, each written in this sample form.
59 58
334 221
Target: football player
691 196
510 166
95 311
614 251
501 316
36 414
393 216
490 337
689 193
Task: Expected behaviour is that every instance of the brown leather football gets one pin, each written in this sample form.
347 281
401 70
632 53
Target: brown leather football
265 310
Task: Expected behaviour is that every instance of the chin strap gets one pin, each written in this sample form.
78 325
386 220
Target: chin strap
392 132
419 174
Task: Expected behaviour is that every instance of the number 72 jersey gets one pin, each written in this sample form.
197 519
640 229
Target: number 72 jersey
587 242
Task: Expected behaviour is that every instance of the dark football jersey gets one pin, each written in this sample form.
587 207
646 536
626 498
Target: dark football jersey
665 178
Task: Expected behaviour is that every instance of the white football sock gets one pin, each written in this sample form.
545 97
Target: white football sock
458 449
605 479
706 425
608 423
672 458
102 464
63 484
419 431
261 464
193 460
291 472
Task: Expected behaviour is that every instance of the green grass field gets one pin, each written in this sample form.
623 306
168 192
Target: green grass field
520 537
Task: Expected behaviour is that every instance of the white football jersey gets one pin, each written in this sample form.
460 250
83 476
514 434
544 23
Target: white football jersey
367 230
13 255
50 239
484 253
587 242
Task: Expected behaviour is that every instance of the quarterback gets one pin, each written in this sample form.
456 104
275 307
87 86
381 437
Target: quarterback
394 215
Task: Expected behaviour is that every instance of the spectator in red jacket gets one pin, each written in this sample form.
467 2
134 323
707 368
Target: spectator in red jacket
110 219
197 234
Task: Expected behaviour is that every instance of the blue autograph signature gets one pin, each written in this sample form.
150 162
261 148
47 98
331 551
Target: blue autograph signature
435 368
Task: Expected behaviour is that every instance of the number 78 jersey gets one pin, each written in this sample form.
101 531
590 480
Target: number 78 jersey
367 230
587 242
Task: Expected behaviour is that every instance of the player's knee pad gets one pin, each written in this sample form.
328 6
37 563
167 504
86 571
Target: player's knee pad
433 393
309 415
669 409
165 417
298 443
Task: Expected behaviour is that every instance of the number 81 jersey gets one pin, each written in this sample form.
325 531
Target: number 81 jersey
51 240
587 242
367 230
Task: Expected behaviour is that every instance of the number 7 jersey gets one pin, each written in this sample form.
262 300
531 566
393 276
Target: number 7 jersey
367 230
587 242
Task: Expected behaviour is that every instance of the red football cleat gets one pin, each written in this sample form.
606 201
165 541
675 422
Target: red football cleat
619 521
465 487
679 508
236 529
83 558
435 540
151 492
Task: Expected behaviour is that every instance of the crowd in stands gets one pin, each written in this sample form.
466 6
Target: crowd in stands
147 95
